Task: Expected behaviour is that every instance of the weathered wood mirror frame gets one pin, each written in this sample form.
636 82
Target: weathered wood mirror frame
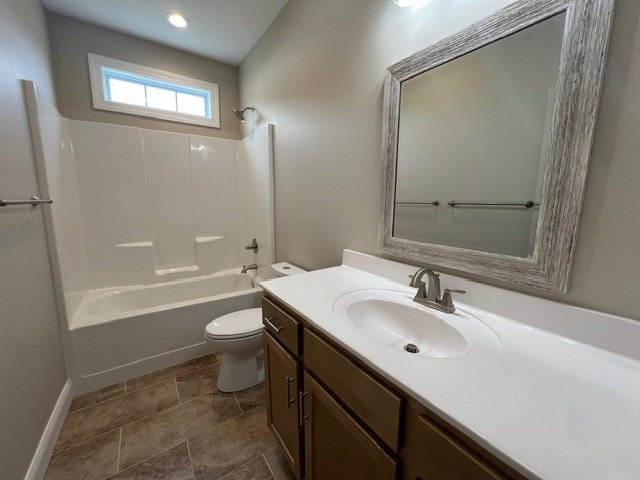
582 63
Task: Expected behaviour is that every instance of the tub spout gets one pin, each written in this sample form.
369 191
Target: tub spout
246 268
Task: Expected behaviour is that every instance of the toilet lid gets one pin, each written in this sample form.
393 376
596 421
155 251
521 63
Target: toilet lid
236 325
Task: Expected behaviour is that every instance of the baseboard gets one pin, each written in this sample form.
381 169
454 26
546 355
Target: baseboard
40 460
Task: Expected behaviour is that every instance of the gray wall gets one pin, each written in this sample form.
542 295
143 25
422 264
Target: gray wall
70 40
32 369
317 73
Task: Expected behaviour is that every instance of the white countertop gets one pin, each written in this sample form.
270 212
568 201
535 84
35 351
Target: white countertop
549 406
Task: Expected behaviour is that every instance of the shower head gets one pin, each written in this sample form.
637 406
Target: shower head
240 113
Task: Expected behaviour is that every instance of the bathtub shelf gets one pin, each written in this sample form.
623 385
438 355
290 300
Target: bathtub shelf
207 239
135 245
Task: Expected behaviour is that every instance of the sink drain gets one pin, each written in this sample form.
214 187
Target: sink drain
411 348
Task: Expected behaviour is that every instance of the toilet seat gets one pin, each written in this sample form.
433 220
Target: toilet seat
241 324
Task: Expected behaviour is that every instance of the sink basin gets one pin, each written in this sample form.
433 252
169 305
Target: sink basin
393 319
397 325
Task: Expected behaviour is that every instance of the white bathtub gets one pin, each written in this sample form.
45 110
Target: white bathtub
122 332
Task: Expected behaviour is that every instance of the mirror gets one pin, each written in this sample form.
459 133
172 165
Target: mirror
487 138
475 131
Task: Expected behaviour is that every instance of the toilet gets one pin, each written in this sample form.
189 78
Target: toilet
237 337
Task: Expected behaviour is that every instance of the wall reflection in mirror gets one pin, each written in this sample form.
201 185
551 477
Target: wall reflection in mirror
476 130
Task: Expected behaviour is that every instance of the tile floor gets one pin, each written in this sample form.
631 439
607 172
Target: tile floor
171 424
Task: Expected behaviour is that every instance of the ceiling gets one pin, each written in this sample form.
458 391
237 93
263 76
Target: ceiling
223 30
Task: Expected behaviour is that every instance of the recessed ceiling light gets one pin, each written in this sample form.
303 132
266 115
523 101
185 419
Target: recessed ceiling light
410 3
177 20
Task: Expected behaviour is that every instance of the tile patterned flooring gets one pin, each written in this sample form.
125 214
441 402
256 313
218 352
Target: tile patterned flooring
171 424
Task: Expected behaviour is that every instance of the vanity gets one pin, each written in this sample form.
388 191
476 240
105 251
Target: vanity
335 417
346 400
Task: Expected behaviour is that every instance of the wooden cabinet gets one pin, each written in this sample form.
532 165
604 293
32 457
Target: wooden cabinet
349 422
379 407
336 446
283 382
433 453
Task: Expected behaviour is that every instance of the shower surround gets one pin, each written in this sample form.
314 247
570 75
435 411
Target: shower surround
152 225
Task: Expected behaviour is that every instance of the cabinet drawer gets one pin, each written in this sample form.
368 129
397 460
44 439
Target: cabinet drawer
376 405
444 457
281 325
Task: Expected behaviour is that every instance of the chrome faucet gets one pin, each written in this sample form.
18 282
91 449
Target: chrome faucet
429 295
246 268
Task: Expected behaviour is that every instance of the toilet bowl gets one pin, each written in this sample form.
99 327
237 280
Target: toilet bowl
237 337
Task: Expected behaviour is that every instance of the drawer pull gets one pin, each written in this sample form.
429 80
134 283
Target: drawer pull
269 321
301 414
288 381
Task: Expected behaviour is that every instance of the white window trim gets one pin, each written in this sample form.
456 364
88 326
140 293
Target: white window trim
96 62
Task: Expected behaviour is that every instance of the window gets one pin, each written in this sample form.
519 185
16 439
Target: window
124 87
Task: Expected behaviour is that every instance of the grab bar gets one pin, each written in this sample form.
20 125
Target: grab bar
434 204
527 204
33 201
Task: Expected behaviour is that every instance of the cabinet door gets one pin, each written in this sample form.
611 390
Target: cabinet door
336 446
432 453
282 376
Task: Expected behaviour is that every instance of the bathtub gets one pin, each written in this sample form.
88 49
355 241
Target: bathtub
122 332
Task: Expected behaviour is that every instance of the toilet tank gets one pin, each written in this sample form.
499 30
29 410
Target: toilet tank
285 269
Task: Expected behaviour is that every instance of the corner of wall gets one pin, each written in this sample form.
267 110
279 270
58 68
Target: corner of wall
40 460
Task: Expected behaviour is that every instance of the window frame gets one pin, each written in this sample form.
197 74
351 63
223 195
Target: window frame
100 102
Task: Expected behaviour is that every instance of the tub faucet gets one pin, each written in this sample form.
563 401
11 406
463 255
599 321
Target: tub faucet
246 268
429 295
